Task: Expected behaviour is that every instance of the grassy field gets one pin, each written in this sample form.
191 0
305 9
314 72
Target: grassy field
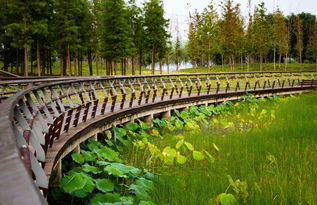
263 152
217 68
253 67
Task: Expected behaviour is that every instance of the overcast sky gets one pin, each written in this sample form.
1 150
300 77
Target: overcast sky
177 10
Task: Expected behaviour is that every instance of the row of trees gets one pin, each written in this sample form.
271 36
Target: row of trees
226 38
35 34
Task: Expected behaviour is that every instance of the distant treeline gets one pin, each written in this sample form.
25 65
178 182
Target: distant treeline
112 34
105 33
228 38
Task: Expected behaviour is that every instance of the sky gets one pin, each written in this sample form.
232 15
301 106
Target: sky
177 10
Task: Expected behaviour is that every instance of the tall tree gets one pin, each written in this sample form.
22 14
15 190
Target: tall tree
299 39
87 42
193 46
262 31
280 33
136 24
231 30
209 28
156 33
66 31
312 45
177 51
27 22
116 33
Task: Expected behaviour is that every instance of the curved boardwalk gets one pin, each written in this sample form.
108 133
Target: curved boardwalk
42 124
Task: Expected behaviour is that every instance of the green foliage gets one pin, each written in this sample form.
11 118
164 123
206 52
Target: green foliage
225 199
104 178
78 158
141 188
104 185
132 126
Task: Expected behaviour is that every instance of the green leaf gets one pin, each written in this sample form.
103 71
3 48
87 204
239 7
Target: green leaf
144 126
91 169
192 125
100 198
215 147
78 158
181 159
88 188
170 127
198 156
119 132
89 156
126 200
102 163
179 144
155 132
179 124
114 171
104 185
132 126
209 157
108 134
92 144
108 154
125 169
141 188
184 115
71 183
226 199
168 151
189 146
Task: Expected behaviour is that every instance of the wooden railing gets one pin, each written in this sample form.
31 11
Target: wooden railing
34 118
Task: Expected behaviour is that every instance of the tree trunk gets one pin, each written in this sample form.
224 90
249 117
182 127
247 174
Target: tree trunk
61 62
161 66
26 62
50 62
233 62
17 62
125 66
241 61
274 56
208 61
261 60
133 64
152 62
168 63
76 66
32 65
140 64
222 61
122 67
110 68
177 63
68 64
285 62
115 68
38 58
90 63
97 65
279 60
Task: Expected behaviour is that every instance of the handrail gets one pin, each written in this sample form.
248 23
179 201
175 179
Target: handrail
10 87
32 119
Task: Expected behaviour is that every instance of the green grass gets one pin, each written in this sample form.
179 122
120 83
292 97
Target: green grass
253 67
217 68
270 146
